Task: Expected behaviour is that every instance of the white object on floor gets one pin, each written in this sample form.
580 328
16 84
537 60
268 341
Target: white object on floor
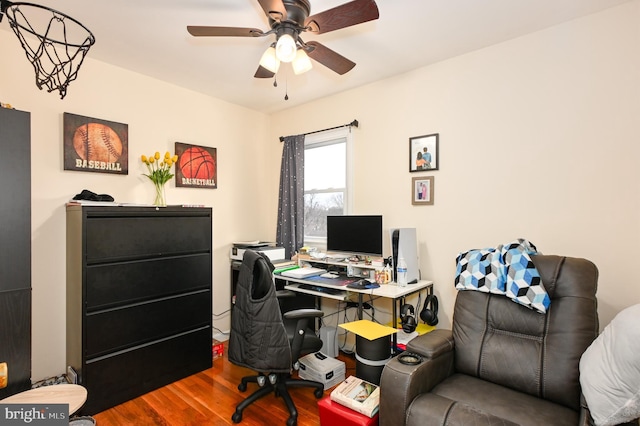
74 395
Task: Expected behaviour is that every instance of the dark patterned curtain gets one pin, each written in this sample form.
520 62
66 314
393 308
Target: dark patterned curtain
290 231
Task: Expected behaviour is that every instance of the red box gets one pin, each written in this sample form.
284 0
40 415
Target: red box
217 350
332 413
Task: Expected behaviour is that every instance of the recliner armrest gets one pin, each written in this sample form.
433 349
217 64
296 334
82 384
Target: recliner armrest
400 384
433 344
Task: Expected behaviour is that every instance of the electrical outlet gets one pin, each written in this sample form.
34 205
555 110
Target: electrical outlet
4 375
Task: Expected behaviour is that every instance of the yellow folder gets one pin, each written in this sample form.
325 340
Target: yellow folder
368 329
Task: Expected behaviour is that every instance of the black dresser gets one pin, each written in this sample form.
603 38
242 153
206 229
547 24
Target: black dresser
138 298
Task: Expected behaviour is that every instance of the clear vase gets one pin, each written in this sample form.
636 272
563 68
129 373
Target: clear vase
161 199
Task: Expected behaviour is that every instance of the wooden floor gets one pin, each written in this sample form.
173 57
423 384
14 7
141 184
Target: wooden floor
210 397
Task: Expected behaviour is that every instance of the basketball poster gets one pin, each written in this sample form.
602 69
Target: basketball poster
94 145
197 166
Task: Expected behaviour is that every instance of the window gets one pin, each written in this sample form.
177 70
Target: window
326 181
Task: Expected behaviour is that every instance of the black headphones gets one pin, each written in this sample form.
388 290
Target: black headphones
429 313
408 317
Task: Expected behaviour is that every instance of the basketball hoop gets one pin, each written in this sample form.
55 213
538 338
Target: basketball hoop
54 43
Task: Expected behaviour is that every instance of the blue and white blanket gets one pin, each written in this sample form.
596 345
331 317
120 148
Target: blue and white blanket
506 269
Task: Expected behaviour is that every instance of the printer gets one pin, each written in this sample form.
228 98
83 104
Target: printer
271 251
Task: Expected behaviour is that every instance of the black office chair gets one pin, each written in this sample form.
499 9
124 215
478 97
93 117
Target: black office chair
264 340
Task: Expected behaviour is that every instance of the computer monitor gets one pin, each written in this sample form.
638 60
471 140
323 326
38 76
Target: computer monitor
353 234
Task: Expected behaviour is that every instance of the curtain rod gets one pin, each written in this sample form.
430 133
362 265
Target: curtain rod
354 123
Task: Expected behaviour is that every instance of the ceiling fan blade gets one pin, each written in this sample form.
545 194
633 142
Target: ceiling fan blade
274 9
346 15
198 31
330 59
262 72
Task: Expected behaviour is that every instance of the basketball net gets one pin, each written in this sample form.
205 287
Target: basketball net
54 43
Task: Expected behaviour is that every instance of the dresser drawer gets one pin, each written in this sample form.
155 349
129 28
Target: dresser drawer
117 329
115 238
114 284
116 378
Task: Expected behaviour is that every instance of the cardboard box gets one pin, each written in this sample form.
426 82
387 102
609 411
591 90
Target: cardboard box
322 368
331 413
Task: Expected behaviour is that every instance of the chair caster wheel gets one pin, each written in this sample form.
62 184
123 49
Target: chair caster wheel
292 421
242 387
237 417
318 393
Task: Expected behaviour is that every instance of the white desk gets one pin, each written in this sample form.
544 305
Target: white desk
390 291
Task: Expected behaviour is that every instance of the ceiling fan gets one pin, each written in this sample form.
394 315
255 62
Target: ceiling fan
288 19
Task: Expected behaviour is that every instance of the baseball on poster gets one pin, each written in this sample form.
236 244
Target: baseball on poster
95 145
197 166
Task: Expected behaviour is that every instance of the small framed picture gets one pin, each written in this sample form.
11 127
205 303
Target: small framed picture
422 191
423 153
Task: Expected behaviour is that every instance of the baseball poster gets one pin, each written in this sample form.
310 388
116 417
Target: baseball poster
95 145
197 166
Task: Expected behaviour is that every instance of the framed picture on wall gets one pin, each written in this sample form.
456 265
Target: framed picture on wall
95 145
197 166
422 191
423 153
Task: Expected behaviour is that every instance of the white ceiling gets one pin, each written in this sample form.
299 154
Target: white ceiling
150 37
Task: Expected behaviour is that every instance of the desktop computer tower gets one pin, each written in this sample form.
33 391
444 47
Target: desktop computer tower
404 244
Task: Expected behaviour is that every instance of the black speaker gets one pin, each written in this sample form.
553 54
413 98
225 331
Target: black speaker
429 313
408 318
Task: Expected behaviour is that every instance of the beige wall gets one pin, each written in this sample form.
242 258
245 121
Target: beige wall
158 115
538 139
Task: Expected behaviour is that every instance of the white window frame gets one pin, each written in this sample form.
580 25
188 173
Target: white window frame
328 137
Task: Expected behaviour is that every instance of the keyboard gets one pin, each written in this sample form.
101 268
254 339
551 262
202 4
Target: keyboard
320 289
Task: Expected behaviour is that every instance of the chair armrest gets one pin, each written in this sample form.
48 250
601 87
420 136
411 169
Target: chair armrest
400 384
281 294
303 313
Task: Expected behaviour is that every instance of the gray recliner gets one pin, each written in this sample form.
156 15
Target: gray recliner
502 363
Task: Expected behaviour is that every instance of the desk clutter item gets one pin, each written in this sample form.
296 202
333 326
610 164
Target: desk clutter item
331 413
321 368
303 272
363 285
319 289
359 395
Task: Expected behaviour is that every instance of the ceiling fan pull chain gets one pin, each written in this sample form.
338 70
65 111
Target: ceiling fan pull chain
286 89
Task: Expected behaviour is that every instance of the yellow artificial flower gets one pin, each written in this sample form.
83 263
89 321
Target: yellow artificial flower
159 171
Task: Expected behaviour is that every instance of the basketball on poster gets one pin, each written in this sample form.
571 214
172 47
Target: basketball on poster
197 166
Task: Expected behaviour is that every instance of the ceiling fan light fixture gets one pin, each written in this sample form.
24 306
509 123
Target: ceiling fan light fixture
286 48
301 63
269 60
